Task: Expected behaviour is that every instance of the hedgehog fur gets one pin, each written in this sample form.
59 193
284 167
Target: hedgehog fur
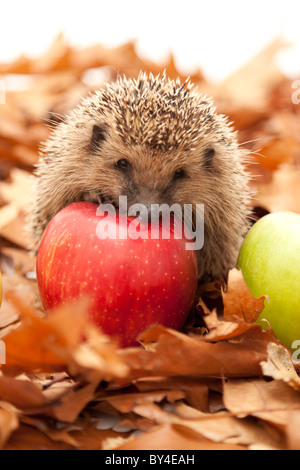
177 150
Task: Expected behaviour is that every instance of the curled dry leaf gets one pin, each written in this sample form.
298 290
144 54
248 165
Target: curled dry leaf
174 437
219 428
56 342
279 365
126 403
196 391
177 354
23 288
225 330
239 303
270 401
30 438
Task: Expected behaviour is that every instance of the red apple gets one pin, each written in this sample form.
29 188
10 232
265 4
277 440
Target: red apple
131 283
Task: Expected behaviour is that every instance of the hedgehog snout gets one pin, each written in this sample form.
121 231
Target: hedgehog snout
146 195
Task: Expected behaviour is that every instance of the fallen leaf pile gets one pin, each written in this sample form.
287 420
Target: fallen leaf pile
220 383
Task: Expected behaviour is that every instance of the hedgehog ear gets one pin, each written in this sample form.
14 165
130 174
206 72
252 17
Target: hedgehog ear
208 157
98 135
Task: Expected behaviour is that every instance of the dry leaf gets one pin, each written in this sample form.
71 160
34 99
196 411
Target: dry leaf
280 366
239 303
283 193
178 354
8 421
250 86
270 401
174 437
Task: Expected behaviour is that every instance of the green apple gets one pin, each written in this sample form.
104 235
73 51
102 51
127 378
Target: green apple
270 262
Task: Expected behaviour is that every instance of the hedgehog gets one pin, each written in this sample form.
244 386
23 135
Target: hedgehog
156 141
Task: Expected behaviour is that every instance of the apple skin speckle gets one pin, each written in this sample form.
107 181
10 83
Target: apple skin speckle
130 284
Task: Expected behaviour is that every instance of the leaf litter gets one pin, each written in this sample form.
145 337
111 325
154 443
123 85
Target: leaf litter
220 383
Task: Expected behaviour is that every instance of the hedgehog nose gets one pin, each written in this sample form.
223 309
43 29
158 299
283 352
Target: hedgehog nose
147 196
147 199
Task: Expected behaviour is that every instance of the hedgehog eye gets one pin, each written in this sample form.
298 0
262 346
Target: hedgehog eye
123 164
179 174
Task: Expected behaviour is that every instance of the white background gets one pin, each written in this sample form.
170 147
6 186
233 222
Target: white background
219 36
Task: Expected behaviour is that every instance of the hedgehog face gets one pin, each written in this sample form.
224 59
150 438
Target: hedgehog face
146 174
138 174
